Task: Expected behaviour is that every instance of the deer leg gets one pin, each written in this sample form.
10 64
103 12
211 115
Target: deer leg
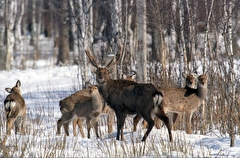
23 125
136 119
174 119
145 125
110 119
17 124
80 126
74 122
120 122
150 122
88 127
157 122
188 122
66 127
66 117
10 122
161 115
95 125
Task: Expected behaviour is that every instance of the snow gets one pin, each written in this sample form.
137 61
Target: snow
43 88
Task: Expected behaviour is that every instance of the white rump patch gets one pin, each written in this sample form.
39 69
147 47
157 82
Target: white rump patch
157 99
10 105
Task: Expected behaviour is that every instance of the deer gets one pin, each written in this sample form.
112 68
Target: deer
128 97
130 77
87 107
15 109
184 100
190 80
67 104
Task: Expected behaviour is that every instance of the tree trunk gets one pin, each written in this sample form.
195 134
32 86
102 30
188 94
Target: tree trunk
18 34
183 52
141 42
116 21
63 51
2 38
10 8
206 48
232 84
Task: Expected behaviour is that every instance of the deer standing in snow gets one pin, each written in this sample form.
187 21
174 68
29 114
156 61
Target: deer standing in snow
67 104
190 80
88 107
184 100
128 97
15 109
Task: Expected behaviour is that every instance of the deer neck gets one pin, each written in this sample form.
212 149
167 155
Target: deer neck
96 100
202 92
105 88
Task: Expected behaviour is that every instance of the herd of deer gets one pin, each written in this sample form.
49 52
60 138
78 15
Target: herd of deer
123 96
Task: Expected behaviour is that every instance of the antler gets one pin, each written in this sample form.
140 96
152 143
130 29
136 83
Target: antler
92 60
118 57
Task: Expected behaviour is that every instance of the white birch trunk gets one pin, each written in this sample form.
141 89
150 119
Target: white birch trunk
206 37
183 53
206 48
116 22
232 76
18 35
10 13
130 33
73 29
85 36
141 43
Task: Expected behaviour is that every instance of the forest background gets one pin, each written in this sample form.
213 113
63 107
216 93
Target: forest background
154 36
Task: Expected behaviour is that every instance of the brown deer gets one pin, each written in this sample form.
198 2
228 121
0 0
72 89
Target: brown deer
15 109
130 77
190 80
128 97
67 104
88 107
184 100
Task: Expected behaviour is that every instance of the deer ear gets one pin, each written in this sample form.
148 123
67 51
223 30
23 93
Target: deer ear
88 84
184 75
134 76
124 76
18 84
8 90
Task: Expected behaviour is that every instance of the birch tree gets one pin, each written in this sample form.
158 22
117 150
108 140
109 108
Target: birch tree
116 22
206 37
82 28
10 16
232 81
18 34
183 53
207 48
130 31
2 28
157 15
141 42
191 10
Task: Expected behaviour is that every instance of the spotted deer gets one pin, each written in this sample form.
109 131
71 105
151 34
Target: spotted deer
128 97
88 107
184 100
190 80
15 109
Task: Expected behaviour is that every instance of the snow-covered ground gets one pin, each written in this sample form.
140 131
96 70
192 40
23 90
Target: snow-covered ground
43 87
